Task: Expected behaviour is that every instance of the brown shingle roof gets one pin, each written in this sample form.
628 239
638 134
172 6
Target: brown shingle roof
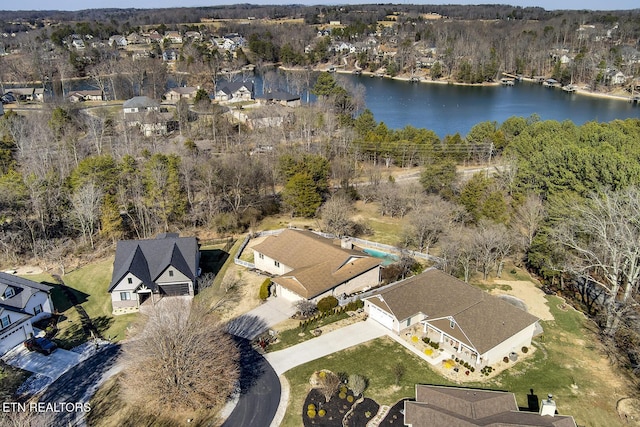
460 407
318 265
482 320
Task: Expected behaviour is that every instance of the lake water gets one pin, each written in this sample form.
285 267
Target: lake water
447 109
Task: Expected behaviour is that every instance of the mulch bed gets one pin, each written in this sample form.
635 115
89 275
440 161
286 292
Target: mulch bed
363 413
335 409
394 417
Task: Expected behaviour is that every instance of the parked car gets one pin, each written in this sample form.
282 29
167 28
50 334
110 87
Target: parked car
8 98
41 345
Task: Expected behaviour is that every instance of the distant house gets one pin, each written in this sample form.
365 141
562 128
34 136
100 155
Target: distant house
476 327
177 93
145 113
27 93
151 269
78 43
235 91
281 98
135 38
173 37
170 55
466 407
309 266
617 78
22 302
118 40
86 95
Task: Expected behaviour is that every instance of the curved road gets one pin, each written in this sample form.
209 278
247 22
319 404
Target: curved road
78 384
259 390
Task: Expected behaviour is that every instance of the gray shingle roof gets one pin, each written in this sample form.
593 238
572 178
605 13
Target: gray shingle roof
24 290
147 259
141 102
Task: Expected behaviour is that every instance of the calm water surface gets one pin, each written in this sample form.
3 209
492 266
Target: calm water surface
447 109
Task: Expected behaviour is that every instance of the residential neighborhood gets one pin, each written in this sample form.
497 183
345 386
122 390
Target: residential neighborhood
339 215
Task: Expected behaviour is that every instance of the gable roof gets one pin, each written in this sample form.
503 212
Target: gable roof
458 407
232 87
24 290
148 259
482 320
184 90
140 102
318 265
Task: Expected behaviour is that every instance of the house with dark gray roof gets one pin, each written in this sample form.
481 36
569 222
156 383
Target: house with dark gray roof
309 266
22 302
279 97
466 407
235 91
144 271
466 321
147 114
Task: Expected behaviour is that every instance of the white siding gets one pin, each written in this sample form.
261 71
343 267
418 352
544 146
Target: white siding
285 293
14 336
269 264
43 299
380 316
515 344
370 278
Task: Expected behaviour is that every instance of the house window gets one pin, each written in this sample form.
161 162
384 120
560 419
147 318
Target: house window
5 321
125 296
409 322
9 292
37 309
261 256
170 273
130 280
452 323
276 263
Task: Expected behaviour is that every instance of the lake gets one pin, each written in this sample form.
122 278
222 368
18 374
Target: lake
447 109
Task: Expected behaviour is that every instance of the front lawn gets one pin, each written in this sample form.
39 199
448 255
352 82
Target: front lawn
569 362
10 380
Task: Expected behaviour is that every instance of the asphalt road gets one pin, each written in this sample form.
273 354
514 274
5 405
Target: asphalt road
259 391
72 386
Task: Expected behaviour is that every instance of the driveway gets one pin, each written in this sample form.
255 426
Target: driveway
260 319
52 366
315 348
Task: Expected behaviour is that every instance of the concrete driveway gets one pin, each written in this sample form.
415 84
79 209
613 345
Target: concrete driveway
258 320
52 366
315 348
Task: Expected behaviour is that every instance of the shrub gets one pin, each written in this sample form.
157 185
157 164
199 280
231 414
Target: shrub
367 414
322 412
472 369
426 340
327 304
525 349
264 289
343 389
428 351
350 399
311 413
414 338
357 384
311 407
342 395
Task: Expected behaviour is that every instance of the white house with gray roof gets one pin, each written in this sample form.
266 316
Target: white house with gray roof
148 270
466 321
22 302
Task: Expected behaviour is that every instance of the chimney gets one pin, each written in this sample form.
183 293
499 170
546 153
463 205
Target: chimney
346 243
548 406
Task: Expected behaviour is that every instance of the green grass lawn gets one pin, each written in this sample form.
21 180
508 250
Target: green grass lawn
10 380
567 362
89 284
295 336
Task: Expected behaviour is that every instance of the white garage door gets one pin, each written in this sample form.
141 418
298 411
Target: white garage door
286 294
381 316
12 339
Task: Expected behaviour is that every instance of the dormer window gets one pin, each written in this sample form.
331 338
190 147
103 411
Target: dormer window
130 280
9 292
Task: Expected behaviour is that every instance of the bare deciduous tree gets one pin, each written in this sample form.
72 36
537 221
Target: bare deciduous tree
428 221
86 209
336 216
305 307
177 364
528 217
602 236
329 384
